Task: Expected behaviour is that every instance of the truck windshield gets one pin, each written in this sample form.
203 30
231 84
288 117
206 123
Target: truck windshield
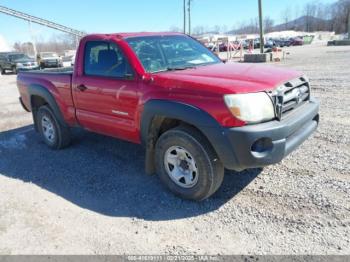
18 56
46 55
166 53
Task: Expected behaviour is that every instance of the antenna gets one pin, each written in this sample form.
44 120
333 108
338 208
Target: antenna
261 29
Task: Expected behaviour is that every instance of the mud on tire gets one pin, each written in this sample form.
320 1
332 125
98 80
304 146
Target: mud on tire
186 144
54 134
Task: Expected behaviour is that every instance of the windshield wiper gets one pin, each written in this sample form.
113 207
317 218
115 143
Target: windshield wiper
173 69
179 68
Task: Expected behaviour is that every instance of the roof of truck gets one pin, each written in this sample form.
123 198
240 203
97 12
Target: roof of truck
126 35
139 34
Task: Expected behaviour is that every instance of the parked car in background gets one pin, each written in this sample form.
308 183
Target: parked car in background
256 43
297 41
68 61
49 60
269 43
73 60
245 44
222 47
15 62
282 42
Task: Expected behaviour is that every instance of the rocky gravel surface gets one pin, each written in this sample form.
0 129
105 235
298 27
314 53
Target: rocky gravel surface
94 198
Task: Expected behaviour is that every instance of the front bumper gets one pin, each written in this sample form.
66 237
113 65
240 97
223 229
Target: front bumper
268 143
50 64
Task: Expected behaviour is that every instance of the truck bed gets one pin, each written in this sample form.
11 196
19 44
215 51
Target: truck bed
58 82
61 70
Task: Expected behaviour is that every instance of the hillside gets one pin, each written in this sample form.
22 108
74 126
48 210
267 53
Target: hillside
305 23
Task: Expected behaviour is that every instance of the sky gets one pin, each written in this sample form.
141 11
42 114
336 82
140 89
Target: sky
111 16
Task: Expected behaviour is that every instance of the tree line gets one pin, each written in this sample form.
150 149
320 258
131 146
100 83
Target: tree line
313 16
57 43
316 16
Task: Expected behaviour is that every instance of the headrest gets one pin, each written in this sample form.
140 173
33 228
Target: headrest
107 57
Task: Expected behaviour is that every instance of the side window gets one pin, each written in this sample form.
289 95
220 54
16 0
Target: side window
105 59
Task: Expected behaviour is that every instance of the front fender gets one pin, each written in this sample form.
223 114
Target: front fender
191 115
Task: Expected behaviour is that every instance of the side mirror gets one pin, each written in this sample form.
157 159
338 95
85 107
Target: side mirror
129 76
147 78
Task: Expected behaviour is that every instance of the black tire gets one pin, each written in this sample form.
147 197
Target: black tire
2 71
61 137
210 169
14 70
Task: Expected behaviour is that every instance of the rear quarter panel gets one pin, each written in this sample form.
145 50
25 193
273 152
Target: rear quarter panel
58 84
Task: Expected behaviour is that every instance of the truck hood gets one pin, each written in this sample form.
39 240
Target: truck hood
229 78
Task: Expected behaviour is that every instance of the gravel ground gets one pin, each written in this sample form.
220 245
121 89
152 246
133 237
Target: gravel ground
94 198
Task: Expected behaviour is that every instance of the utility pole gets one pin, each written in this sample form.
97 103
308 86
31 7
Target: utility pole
349 26
261 28
189 17
184 16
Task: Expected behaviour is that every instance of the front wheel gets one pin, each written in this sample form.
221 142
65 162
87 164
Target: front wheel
53 133
187 164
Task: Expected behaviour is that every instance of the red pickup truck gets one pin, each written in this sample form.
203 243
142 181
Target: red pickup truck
194 114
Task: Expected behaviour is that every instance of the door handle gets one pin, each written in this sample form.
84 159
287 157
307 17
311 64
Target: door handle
82 88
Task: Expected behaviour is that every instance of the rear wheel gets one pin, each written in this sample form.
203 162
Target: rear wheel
2 71
187 164
53 133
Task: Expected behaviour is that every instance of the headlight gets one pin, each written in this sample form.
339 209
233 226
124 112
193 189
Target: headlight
251 108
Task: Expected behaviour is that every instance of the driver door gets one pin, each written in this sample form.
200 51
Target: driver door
106 95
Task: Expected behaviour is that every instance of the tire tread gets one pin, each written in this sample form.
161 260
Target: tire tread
215 175
63 132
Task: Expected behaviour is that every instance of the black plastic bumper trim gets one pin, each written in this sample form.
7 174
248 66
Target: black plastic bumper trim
286 136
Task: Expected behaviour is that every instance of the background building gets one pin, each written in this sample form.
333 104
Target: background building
3 45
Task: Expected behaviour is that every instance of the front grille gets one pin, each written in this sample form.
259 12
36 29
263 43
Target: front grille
290 96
